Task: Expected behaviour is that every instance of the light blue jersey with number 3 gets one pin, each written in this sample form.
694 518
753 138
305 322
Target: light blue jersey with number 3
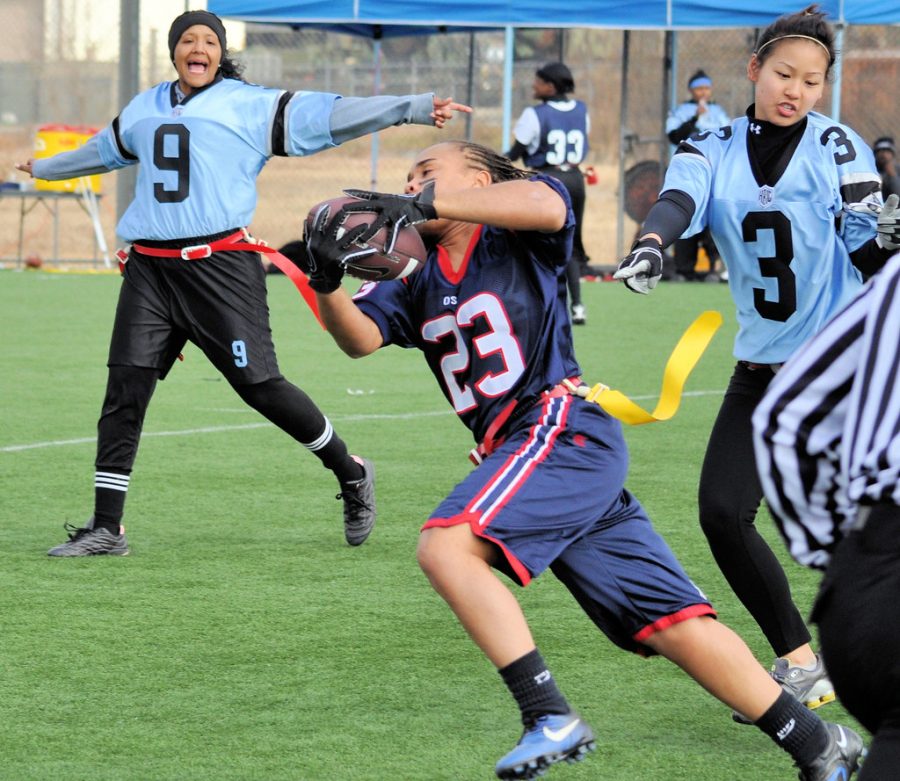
787 246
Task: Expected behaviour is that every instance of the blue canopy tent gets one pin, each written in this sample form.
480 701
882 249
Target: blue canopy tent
652 14
378 19
386 18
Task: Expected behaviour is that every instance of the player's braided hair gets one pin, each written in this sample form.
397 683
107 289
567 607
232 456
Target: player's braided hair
484 158
808 23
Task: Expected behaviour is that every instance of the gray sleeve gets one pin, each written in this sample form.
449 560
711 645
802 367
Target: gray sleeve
355 117
84 161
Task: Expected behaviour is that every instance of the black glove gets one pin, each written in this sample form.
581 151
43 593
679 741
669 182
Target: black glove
393 211
641 269
329 248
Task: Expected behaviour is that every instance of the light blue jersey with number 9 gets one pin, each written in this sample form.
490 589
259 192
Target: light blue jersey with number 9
200 158
787 246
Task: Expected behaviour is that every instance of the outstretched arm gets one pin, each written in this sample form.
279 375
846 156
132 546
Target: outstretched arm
83 161
444 108
669 217
355 117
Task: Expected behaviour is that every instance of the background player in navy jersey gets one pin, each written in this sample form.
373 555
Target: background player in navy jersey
202 141
776 189
553 137
549 491
826 440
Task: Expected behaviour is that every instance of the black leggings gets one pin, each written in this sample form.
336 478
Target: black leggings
573 179
129 390
730 494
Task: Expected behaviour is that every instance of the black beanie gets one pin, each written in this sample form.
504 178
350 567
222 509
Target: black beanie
558 75
189 19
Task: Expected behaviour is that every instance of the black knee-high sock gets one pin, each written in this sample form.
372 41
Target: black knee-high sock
795 728
110 490
534 687
295 413
128 393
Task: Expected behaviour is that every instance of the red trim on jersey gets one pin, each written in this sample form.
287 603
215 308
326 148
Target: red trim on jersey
443 258
472 519
693 611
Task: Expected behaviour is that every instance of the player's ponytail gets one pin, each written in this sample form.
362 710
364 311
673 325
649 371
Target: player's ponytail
231 69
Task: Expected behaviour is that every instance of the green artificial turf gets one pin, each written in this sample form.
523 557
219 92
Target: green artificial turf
243 639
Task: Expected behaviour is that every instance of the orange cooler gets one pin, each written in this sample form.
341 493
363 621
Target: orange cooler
53 139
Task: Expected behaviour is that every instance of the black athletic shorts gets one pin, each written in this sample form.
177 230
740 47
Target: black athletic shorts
218 303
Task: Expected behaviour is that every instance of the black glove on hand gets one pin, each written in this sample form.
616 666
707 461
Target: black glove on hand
393 211
329 248
641 269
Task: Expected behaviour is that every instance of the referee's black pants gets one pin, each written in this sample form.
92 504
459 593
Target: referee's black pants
858 614
729 497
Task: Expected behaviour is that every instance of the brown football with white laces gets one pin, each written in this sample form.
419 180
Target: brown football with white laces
407 256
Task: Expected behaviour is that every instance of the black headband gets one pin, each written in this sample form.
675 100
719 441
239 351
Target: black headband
189 19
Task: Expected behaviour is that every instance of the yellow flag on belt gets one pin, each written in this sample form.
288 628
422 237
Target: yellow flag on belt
681 363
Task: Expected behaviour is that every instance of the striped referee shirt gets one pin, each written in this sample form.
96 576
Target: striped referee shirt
827 431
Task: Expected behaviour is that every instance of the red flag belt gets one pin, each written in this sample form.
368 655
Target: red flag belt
240 241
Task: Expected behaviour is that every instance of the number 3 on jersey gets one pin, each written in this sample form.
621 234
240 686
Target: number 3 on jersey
498 340
777 266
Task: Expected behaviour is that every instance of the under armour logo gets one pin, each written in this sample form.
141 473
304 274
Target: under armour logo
755 129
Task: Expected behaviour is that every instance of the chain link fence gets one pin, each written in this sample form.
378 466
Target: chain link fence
621 76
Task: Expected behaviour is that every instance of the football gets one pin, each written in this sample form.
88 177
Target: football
407 256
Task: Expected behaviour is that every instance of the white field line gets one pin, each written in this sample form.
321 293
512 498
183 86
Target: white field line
188 432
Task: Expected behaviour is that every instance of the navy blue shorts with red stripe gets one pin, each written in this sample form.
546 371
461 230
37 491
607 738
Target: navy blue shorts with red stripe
553 496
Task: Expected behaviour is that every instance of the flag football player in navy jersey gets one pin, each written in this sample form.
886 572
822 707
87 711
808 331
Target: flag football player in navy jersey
794 205
553 137
488 310
202 140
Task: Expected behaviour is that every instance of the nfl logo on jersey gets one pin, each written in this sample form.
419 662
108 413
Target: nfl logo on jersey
766 195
